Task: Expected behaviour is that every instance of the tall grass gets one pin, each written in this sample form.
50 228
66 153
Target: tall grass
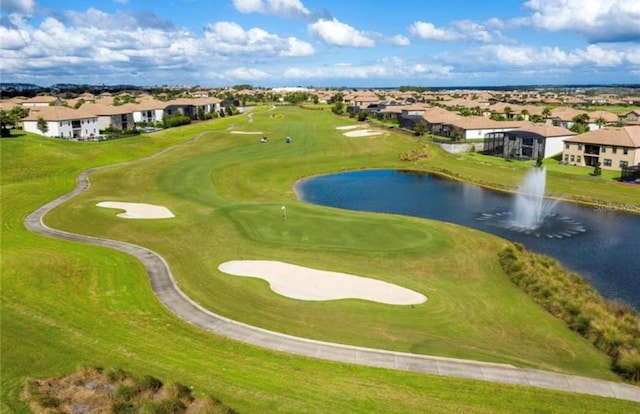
612 326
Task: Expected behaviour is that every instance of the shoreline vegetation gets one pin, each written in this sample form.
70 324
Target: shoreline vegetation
611 326
96 308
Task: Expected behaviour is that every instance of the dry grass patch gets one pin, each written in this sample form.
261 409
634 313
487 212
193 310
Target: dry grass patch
93 390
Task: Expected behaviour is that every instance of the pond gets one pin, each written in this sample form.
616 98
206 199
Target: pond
599 243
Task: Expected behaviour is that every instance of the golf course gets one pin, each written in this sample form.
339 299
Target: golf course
67 305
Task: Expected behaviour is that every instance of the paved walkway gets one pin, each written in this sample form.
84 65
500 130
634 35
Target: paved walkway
168 292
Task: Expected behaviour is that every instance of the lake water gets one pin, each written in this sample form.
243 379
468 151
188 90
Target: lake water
601 244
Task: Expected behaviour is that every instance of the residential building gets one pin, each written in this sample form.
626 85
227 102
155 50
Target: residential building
613 148
527 142
63 122
477 127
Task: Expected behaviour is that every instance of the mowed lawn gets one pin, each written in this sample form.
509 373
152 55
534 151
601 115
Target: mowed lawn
65 304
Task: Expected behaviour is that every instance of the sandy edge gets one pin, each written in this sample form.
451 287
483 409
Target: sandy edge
138 210
362 133
304 283
348 127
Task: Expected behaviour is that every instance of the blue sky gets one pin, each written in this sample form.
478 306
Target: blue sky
358 43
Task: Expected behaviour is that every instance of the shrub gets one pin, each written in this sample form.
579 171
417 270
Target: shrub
149 383
627 364
176 120
125 392
123 408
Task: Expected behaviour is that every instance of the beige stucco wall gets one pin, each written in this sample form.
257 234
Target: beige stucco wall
575 155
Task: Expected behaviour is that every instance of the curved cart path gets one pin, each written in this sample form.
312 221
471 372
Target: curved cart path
168 292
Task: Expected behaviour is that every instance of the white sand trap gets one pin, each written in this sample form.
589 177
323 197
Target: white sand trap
303 283
348 127
362 133
247 132
138 210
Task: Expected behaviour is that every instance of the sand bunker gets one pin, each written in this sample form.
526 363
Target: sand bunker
247 132
362 133
348 127
303 283
138 210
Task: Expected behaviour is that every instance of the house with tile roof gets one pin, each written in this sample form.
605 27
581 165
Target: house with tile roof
63 122
611 147
527 142
477 127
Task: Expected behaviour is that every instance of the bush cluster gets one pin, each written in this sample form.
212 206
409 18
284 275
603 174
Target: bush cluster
611 326
176 120
416 154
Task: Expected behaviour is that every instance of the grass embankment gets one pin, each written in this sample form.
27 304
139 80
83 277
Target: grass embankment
66 304
612 327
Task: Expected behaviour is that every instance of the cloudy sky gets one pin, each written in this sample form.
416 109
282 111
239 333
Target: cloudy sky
360 43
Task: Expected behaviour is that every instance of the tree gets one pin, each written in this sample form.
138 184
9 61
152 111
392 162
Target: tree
597 170
536 119
338 108
601 122
580 123
8 120
546 112
420 129
42 125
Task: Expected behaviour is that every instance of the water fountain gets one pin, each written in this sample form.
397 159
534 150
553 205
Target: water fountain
533 214
530 207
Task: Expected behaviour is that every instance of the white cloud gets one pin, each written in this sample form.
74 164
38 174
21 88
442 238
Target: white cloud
229 37
337 33
297 48
18 6
461 30
246 74
288 9
392 68
427 31
399 40
597 20
522 57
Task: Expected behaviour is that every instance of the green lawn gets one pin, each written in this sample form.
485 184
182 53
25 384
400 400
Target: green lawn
66 304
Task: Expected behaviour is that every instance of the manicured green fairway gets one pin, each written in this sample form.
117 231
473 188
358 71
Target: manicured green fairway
66 304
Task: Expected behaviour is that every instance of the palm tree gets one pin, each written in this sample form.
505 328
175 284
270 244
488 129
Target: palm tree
546 112
601 122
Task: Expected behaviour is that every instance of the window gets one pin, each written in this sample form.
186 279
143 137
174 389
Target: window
603 149
566 157
578 158
624 164
614 150
566 146
625 151
580 147
607 162
573 158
